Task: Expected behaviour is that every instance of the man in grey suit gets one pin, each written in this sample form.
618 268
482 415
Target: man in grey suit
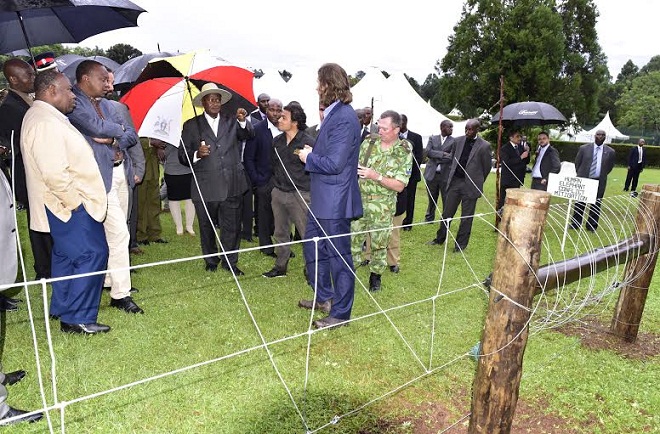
213 151
469 168
438 152
595 161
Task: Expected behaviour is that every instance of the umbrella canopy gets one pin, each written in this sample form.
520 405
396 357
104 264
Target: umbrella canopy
28 23
529 113
129 71
70 69
159 106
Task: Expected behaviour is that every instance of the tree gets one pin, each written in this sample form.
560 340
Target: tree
584 67
639 106
628 72
653 65
120 53
502 38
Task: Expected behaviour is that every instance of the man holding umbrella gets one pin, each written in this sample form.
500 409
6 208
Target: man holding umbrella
212 148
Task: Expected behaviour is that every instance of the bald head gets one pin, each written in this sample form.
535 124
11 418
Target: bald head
19 74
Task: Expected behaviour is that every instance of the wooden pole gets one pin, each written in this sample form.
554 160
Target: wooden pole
498 217
496 384
632 298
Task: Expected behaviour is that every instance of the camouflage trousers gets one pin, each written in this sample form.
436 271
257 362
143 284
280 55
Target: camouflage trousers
377 219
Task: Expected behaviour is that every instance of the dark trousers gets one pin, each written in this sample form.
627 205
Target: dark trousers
266 226
536 184
247 215
41 244
411 191
133 219
79 246
594 214
288 208
632 176
435 189
228 215
335 281
503 188
457 195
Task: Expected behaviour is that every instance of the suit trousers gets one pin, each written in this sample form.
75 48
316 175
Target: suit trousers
594 214
116 233
228 215
335 279
411 191
247 214
265 227
435 188
536 184
148 226
632 176
457 195
503 188
79 247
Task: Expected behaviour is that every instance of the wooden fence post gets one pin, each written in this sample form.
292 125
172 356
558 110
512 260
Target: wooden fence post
632 298
496 384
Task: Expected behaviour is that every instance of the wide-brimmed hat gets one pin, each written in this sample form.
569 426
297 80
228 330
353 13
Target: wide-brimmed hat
209 88
44 61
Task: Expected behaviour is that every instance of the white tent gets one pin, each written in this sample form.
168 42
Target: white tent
605 125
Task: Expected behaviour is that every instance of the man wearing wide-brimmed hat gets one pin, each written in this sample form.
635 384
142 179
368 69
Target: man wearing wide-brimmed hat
213 150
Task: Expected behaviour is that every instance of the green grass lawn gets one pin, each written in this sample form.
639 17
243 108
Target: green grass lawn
435 311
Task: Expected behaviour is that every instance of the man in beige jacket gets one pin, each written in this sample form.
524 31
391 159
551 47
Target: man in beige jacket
67 198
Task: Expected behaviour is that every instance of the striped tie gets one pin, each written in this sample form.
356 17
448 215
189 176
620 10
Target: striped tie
594 163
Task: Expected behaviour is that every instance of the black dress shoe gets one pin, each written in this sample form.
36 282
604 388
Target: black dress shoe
13 412
329 321
434 242
374 282
211 267
394 268
160 241
7 305
84 329
237 270
275 272
126 304
13 378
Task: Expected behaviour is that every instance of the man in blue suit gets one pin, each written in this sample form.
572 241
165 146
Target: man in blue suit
335 199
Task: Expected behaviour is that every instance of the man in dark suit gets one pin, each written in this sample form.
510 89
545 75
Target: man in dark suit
469 168
335 199
260 113
547 162
595 161
513 158
438 151
20 77
213 150
257 157
636 163
417 154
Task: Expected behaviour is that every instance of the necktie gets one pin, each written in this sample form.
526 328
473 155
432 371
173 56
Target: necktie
594 163
97 107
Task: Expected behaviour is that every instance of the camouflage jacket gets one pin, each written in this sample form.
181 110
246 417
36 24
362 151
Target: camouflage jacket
395 162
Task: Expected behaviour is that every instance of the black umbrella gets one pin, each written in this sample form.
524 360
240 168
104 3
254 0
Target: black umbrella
28 23
129 71
529 113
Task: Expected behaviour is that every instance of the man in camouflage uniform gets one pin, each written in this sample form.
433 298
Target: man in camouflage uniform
384 169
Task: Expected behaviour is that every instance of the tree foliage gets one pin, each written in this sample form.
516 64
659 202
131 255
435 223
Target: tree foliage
639 106
121 53
546 50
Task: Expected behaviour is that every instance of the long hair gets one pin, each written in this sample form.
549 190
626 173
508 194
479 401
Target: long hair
334 84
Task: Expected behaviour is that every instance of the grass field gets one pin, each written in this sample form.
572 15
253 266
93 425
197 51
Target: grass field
194 317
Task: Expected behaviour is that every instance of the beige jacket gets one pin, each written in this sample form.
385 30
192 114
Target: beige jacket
60 168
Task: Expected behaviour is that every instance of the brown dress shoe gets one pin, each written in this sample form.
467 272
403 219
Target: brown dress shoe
329 321
322 306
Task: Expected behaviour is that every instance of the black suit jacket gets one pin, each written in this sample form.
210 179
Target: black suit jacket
418 154
512 166
221 174
550 162
255 116
633 159
12 111
258 155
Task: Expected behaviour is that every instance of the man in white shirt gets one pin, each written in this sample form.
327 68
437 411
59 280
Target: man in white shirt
547 161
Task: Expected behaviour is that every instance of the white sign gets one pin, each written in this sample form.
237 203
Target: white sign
572 187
